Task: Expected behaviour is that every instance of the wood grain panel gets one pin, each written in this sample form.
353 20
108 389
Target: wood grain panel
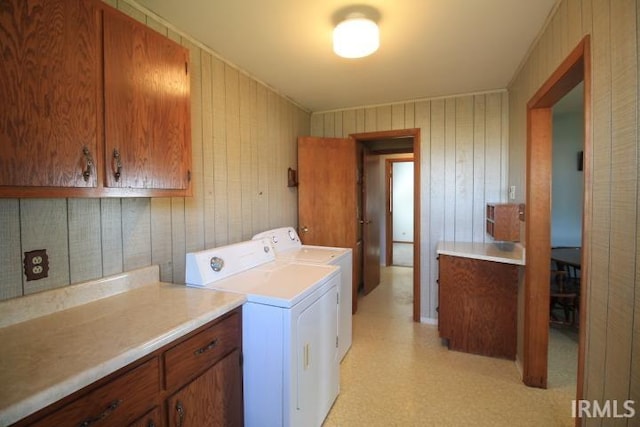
397 117
10 255
249 155
329 129
317 125
194 206
276 199
601 216
85 249
111 226
43 224
208 195
49 82
136 233
261 211
161 250
464 170
338 123
220 153
436 192
624 193
428 275
409 115
370 119
178 239
478 234
449 169
383 117
349 123
493 148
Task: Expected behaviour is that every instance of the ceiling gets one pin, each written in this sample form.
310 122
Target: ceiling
428 48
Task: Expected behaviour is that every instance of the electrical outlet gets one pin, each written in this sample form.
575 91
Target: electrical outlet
36 264
512 192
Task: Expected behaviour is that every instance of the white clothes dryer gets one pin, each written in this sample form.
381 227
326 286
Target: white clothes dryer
288 246
289 332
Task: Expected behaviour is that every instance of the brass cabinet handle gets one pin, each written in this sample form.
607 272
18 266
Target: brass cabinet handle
92 420
87 156
180 411
208 347
118 165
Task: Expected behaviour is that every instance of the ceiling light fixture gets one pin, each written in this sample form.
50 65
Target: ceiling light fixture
356 37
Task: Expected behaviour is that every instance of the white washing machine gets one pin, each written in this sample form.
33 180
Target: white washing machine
289 332
288 246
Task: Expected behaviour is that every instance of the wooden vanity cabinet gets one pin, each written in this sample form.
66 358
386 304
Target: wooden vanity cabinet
203 375
194 381
477 305
94 103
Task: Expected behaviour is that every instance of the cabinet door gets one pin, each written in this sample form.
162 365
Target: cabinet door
147 125
49 87
151 419
213 399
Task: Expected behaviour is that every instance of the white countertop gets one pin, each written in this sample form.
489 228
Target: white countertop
66 343
508 253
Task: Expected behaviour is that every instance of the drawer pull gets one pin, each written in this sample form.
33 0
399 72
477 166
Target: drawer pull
112 407
211 345
87 155
118 165
180 411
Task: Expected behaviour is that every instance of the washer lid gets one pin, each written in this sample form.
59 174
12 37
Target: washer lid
313 254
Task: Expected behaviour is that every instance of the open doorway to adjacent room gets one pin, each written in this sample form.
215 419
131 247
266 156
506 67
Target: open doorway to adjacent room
398 240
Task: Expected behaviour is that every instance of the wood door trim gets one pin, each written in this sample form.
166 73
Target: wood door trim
575 68
415 133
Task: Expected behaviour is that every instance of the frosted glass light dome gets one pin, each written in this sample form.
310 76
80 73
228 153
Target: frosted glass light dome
356 37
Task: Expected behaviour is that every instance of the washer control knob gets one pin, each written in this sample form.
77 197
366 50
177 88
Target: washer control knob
217 264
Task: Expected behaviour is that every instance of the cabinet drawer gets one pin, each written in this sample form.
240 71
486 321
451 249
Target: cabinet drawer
117 403
194 355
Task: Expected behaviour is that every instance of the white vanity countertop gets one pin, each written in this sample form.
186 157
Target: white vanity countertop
508 253
60 341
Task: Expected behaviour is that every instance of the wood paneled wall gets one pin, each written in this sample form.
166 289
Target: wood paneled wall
464 161
244 139
613 323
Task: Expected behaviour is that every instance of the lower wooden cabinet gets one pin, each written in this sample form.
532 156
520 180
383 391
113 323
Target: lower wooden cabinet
212 399
152 418
161 389
477 306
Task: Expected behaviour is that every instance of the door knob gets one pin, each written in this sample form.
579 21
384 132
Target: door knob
304 229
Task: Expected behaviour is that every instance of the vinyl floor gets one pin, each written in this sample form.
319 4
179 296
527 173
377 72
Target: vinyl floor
398 373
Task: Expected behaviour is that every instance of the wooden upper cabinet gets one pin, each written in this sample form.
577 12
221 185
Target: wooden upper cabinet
79 82
147 124
49 87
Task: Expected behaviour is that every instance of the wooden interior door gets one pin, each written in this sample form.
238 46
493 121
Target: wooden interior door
327 196
373 199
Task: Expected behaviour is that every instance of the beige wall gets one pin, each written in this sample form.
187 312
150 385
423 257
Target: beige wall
613 324
244 139
463 165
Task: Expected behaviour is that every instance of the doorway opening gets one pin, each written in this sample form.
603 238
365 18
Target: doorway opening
576 68
375 144
398 240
